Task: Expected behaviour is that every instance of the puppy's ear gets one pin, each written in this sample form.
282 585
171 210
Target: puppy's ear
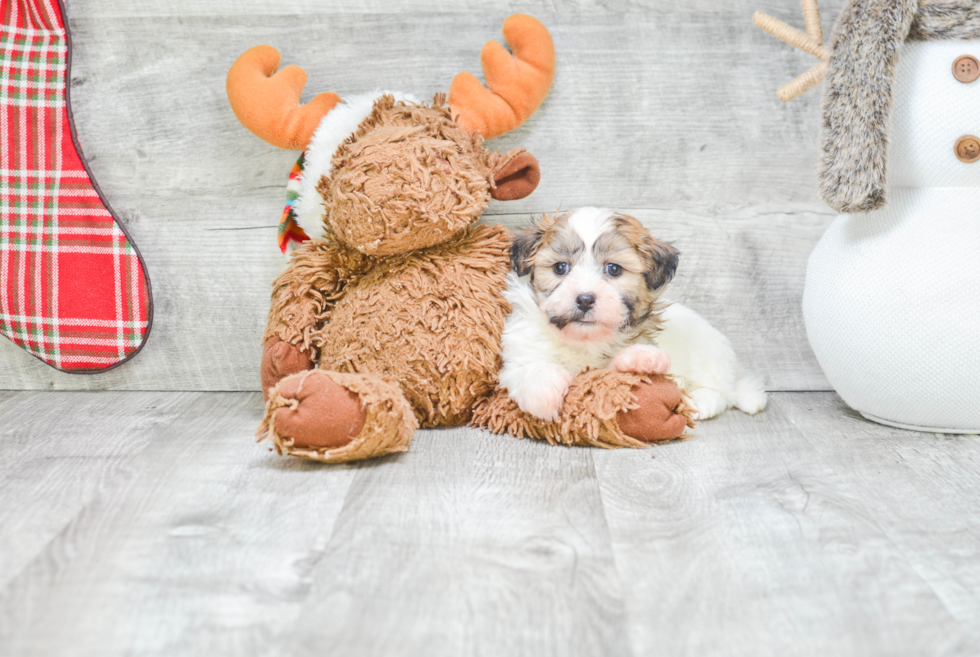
526 243
662 259
523 248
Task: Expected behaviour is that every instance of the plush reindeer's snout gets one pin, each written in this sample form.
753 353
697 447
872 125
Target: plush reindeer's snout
411 178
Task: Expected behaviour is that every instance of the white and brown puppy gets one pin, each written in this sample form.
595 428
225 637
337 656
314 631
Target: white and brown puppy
585 292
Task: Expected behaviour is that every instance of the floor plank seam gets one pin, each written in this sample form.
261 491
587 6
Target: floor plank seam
627 618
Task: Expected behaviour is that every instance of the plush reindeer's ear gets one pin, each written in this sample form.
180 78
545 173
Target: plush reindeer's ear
523 248
513 176
662 259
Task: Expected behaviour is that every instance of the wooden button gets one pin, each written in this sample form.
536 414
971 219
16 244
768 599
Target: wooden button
966 68
968 149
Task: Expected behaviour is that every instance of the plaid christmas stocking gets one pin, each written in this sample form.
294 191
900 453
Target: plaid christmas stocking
73 287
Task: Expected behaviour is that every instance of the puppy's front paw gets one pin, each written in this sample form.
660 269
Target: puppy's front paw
642 359
544 394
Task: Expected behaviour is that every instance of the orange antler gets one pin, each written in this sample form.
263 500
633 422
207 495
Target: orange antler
810 41
516 83
267 102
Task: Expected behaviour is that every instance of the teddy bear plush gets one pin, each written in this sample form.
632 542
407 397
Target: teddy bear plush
388 317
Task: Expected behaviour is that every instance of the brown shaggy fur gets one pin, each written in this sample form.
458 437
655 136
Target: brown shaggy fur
432 169
429 319
304 295
402 288
588 415
858 95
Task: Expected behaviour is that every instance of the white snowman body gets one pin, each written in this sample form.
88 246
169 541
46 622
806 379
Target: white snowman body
892 296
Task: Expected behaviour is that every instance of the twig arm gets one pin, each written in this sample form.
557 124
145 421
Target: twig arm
790 35
811 17
803 83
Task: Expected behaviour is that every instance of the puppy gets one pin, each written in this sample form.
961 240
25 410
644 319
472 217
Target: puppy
585 292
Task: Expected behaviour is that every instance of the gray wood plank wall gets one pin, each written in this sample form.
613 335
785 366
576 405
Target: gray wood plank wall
666 110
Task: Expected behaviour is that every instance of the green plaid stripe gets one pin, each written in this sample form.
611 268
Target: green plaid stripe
34 66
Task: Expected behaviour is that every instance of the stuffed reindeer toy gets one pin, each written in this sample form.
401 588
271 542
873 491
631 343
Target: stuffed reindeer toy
389 316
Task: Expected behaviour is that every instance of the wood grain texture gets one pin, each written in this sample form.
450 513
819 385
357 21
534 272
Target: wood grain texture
922 490
200 543
57 453
662 110
765 535
151 524
469 544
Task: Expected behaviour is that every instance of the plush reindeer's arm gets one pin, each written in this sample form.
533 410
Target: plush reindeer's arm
603 408
302 299
304 295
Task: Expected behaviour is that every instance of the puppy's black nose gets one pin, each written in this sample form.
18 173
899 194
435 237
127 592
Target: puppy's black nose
585 301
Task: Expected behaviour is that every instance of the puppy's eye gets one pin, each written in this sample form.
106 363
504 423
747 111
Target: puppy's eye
560 268
614 270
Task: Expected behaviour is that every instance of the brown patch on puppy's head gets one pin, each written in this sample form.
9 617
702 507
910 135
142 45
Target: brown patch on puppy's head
527 242
660 259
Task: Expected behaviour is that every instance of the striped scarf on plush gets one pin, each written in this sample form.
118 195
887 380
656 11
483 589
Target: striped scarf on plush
288 227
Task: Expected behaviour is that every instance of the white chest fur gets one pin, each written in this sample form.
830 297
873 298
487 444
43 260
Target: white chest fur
699 354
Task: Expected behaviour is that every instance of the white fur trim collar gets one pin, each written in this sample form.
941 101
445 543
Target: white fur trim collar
334 129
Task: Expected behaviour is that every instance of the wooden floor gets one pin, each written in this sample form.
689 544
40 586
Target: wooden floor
149 523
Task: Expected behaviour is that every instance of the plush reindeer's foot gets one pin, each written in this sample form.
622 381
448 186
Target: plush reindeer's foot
329 416
279 360
323 414
642 359
661 412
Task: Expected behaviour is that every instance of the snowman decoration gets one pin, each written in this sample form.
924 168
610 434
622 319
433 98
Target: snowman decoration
892 296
